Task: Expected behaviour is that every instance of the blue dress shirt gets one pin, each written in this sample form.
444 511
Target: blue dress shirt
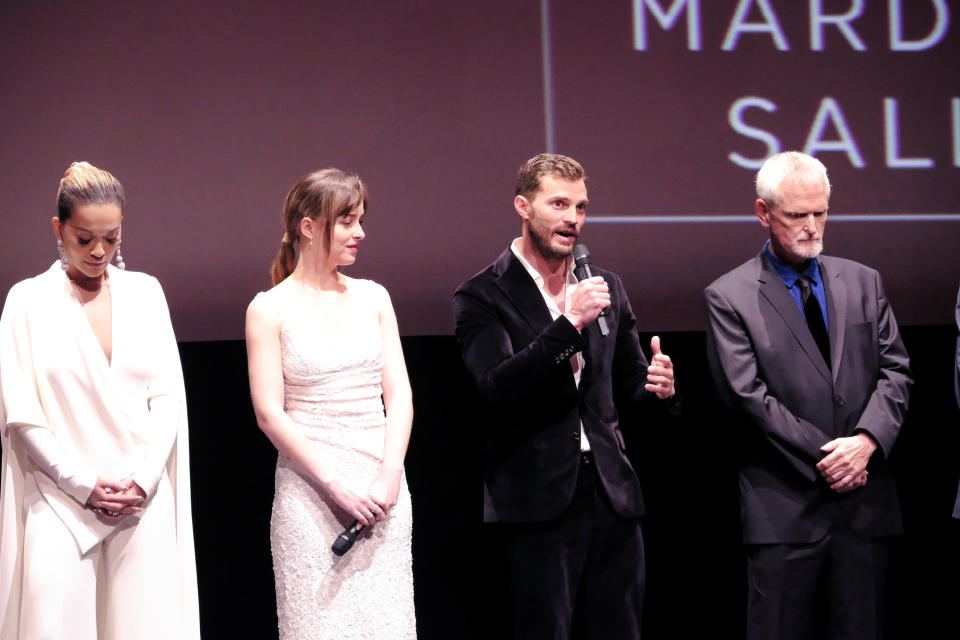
790 278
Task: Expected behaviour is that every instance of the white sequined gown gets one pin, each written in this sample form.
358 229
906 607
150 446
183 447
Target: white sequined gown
332 389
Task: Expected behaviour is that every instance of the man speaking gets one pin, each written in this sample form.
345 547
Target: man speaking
561 499
805 350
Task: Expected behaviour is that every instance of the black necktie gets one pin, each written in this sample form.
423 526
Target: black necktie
814 314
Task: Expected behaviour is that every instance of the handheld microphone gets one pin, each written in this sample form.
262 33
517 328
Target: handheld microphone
582 270
346 539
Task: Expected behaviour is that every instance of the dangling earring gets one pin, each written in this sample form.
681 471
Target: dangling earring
63 256
119 260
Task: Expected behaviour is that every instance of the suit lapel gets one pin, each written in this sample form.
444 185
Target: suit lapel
836 294
776 293
522 291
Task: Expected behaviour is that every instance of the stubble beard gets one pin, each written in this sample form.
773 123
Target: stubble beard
542 245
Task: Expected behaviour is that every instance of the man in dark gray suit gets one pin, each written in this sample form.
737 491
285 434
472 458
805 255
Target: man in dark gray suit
805 351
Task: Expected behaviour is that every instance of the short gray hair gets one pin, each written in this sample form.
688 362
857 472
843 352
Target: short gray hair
794 164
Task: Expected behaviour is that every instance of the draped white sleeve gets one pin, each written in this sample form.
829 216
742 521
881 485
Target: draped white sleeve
46 452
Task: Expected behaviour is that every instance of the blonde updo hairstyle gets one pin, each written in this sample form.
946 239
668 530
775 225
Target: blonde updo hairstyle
323 196
83 184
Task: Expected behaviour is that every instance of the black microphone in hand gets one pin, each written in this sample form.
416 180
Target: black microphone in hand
582 270
346 539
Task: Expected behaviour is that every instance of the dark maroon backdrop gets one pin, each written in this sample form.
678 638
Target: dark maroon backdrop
208 111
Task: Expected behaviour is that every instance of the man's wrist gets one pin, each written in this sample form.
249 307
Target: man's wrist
868 442
575 320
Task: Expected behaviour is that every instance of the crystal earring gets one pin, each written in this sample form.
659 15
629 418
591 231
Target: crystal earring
117 258
63 256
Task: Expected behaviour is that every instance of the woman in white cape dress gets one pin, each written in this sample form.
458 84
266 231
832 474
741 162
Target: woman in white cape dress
96 539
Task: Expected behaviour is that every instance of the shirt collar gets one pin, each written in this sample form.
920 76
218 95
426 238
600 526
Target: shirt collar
537 278
788 275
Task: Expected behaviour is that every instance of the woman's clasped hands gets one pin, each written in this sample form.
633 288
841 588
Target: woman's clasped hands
114 500
367 507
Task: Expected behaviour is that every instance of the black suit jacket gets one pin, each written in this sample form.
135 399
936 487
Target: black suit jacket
789 403
519 358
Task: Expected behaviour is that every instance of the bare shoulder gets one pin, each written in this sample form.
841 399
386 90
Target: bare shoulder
265 306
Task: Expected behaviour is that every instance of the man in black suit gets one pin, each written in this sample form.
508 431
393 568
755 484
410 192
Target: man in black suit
562 500
805 350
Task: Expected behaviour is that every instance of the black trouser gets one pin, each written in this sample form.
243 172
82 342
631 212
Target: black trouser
832 588
578 576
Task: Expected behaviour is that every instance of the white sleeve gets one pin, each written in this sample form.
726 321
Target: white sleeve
21 408
164 414
72 478
165 396
21 405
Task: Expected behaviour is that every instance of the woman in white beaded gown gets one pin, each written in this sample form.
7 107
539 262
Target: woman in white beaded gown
330 390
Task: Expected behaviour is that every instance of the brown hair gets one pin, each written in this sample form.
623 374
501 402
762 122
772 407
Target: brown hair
84 183
322 196
545 164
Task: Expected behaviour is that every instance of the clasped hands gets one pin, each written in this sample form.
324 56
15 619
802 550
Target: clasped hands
370 506
845 465
114 500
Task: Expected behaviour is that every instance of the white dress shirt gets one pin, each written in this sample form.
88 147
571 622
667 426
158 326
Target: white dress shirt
576 360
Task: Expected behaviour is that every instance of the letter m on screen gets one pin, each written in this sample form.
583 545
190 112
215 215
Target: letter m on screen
666 19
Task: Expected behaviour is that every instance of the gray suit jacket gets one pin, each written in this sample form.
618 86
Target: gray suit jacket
769 371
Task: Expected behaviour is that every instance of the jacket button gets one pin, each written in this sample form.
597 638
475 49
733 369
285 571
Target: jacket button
838 400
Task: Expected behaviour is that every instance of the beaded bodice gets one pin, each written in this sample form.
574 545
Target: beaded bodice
332 385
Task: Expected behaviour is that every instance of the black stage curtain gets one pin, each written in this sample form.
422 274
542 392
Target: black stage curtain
688 468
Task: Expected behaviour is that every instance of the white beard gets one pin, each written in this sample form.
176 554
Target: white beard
808 249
